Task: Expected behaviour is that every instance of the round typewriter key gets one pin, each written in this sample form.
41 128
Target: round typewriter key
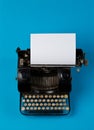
41 104
45 104
41 96
35 100
51 108
22 108
64 100
29 96
65 96
29 104
52 100
48 100
49 104
31 108
67 108
27 108
33 96
33 104
53 104
43 108
61 104
39 108
56 100
43 100
23 100
64 104
35 108
25 96
37 96
25 104
27 100
39 100
47 108
46 96
37 104
59 108
57 104
60 100
55 108
31 100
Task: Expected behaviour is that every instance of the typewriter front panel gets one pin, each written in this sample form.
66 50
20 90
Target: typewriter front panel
43 90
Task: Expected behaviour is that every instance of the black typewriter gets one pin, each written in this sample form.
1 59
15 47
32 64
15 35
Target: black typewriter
45 90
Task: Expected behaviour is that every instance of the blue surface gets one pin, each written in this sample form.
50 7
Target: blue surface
19 18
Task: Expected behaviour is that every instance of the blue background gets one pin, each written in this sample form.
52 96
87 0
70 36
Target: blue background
19 18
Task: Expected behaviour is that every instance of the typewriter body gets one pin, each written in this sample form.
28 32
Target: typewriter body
45 89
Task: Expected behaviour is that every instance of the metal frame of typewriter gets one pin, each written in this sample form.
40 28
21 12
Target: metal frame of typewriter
44 90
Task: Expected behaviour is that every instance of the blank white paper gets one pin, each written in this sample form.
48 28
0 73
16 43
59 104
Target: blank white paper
53 49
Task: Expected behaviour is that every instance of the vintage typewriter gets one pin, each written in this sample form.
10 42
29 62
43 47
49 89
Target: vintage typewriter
45 89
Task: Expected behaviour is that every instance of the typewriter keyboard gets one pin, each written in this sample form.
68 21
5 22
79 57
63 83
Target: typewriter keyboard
48 103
